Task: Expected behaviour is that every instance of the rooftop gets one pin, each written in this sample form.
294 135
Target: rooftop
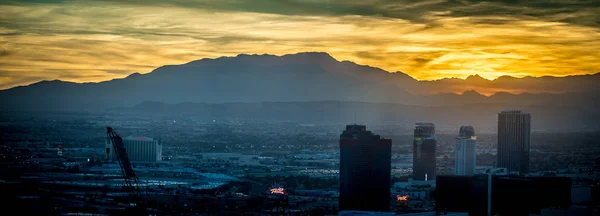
466 131
425 124
139 138
356 127
512 111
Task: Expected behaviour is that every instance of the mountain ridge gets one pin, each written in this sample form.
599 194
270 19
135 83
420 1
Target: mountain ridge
309 76
327 56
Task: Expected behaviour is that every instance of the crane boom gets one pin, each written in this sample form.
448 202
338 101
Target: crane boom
132 182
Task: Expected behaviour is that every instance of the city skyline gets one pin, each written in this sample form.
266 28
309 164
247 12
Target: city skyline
366 165
101 40
300 107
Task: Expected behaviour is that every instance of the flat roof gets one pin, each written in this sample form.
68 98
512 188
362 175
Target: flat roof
424 124
515 111
140 138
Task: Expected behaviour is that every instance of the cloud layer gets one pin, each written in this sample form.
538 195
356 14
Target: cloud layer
430 39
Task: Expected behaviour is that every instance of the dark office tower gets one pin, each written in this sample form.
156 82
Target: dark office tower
514 128
365 166
424 147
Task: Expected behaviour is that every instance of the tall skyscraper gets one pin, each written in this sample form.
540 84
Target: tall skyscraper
139 149
424 148
365 167
465 154
514 127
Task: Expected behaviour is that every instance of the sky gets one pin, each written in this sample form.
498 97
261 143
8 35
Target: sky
97 40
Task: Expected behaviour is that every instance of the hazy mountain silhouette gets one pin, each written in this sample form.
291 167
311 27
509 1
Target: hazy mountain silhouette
545 84
483 116
295 77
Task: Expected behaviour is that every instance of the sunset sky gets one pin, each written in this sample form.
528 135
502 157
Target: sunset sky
89 41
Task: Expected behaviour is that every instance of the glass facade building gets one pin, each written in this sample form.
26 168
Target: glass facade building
514 128
424 152
365 168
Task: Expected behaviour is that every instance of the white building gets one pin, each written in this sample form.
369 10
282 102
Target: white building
465 154
139 149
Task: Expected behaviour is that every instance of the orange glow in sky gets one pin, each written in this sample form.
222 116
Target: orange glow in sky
91 41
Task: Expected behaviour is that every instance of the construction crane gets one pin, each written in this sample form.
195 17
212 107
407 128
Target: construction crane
132 182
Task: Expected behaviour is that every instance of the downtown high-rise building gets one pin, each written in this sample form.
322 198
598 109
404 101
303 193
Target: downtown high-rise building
514 128
465 151
424 150
365 170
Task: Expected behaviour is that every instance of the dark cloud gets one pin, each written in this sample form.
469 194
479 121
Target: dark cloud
580 12
575 12
584 12
422 61
4 53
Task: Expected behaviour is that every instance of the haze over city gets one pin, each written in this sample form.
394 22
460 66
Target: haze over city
300 107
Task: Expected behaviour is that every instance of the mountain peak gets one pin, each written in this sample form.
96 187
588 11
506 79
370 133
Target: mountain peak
471 93
52 82
322 54
475 77
252 55
134 75
306 57
311 56
504 77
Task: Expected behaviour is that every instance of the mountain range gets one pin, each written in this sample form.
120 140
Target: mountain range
303 77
